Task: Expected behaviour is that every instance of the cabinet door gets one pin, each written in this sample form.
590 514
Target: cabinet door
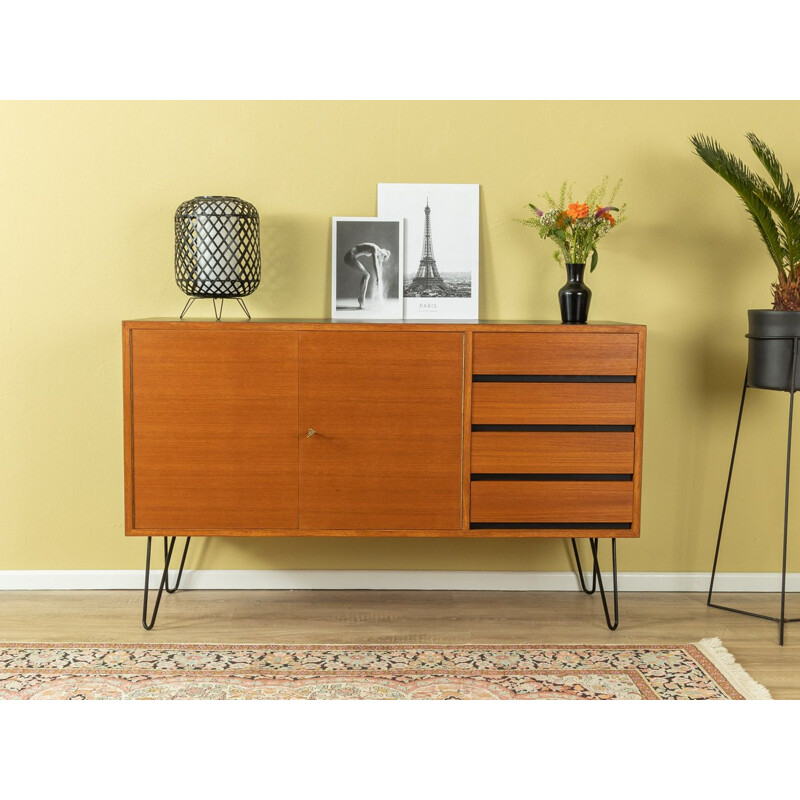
214 429
387 411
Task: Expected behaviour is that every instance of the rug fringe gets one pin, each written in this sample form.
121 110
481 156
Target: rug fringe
723 659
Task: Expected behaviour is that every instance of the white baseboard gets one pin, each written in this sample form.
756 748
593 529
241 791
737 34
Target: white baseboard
394 579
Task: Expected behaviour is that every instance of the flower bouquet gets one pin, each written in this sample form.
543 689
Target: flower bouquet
575 227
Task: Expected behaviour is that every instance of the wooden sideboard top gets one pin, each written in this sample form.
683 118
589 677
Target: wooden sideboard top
452 325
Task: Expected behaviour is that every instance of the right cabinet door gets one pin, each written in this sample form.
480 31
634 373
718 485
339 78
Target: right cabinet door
381 430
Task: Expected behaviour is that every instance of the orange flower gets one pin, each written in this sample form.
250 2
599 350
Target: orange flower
605 215
577 211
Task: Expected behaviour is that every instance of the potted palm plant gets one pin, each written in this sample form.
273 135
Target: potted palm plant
775 211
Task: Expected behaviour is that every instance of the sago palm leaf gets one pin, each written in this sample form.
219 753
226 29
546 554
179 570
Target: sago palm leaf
767 157
781 199
746 184
788 223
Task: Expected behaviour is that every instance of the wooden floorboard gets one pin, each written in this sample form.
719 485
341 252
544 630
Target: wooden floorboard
424 617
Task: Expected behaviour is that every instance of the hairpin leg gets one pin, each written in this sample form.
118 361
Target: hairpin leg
597 579
580 571
218 314
148 626
180 571
599 576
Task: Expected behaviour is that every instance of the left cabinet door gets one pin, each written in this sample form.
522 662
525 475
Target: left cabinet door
213 430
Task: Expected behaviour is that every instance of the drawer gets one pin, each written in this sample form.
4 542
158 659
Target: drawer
554 353
552 501
553 403
546 452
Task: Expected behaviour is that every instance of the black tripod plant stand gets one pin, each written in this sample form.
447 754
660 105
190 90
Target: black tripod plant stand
782 619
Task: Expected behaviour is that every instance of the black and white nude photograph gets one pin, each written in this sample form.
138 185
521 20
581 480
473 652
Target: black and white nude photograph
440 274
367 255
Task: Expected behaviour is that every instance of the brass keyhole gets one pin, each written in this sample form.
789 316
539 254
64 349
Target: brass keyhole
311 432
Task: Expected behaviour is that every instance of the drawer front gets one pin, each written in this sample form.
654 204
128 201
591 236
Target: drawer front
553 403
546 453
559 502
554 354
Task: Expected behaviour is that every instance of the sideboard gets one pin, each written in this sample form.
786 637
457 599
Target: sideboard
396 429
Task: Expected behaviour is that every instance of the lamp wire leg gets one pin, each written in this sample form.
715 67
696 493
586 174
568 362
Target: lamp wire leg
187 306
244 307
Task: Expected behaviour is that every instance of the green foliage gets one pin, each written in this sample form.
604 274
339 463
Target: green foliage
773 207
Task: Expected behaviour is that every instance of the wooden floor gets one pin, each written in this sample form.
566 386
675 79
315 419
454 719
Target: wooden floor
444 617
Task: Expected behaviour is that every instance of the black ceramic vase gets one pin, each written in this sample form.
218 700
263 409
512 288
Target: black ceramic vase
574 296
771 340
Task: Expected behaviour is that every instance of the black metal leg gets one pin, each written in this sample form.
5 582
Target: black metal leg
781 620
244 307
187 306
217 310
599 577
148 626
180 571
727 490
580 571
786 495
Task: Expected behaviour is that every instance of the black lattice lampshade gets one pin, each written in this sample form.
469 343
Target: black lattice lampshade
217 247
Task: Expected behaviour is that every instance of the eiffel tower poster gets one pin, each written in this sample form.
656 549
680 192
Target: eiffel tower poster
441 284
427 274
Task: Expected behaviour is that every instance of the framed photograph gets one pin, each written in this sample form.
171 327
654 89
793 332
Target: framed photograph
440 278
367 255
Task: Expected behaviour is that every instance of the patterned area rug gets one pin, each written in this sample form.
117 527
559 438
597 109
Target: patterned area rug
700 671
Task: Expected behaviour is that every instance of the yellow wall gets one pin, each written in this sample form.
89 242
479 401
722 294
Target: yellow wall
88 191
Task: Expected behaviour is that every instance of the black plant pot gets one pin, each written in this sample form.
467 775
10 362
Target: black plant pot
574 296
771 340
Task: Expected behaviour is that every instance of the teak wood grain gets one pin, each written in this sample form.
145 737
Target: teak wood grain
192 390
387 411
552 501
639 431
543 452
554 403
466 458
390 533
214 429
555 354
